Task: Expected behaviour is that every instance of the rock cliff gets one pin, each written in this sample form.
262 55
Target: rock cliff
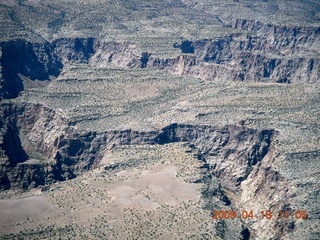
262 52
31 131
236 81
40 146
21 60
272 54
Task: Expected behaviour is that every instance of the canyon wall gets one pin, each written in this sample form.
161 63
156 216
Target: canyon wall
262 52
40 146
38 61
36 136
272 54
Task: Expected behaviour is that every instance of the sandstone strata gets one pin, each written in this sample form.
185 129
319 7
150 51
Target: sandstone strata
236 81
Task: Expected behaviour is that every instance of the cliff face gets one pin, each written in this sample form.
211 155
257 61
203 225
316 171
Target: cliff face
119 54
36 137
32 129
229 151
265 53
38 61
273 54
40 146
111 65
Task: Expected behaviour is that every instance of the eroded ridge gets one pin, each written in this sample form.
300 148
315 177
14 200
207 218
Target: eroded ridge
49 142
236 161
259 52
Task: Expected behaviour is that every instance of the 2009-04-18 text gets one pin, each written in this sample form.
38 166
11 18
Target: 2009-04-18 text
264 214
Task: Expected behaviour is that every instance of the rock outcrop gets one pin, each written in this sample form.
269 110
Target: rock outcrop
38 61
273 54
32 131
44 136
40 146
264 53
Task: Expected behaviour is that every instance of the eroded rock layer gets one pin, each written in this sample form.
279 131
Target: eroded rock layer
126 106
272 54
35 130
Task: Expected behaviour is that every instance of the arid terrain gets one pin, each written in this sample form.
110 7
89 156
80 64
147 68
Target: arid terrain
137 119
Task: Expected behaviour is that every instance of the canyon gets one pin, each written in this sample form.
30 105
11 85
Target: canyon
134 126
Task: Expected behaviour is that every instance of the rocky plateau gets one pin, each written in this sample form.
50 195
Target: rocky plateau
137 119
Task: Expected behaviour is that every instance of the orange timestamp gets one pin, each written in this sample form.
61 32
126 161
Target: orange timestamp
264 214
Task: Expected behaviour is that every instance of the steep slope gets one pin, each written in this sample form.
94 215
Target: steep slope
39 131
252 45
24 62
117 112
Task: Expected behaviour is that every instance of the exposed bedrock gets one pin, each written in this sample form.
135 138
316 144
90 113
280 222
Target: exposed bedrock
266 53
230 151
40 146
21 60
263 52
32 133
278 54
289 56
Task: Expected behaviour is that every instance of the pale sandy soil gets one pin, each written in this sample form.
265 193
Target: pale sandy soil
153 200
